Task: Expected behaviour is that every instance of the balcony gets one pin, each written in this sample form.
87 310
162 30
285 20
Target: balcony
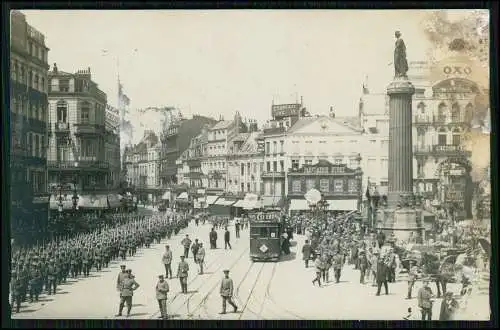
89 129
422 120
276 175
447 120
61 128
77 165
441 150
274 130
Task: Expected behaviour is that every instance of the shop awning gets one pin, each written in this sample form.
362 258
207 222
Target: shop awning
114 201
220 201
98 202
211 200
342 205
241 203
183 195
268 201
299 205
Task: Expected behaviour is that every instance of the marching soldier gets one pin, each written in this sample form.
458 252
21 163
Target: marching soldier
86 262
15 289
52 277
34 284
412 277
226 239
338 261
182 274
186 242
226 292
194 248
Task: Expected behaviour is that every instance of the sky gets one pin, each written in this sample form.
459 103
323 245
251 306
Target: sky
219 62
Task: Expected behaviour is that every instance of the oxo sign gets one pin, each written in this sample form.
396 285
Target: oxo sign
457 69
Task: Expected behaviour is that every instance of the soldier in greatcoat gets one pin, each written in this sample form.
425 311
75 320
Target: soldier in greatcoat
167 261
226 292
128 286
200 257
161 295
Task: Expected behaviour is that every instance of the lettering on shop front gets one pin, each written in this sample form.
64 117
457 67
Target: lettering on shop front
457 70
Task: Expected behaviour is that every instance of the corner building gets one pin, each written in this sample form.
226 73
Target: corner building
28 127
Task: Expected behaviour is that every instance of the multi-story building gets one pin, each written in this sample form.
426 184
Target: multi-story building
142 162
245 163
77 115
214 163
112 145
189 170
445 106
328 140
28 125
175 139
273 177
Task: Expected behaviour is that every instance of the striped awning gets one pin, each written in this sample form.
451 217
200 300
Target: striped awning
241 203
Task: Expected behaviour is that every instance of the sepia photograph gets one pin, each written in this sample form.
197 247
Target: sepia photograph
286 164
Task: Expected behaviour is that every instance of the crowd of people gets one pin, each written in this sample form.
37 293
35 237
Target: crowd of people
334 241
41 268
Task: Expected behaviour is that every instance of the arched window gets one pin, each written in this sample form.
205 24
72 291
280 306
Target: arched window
421 108
442 137
62 111
85 112
457 137
442 112
469 113
455 112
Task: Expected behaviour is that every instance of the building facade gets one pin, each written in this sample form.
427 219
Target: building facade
326 139
273 177
245 163
28 125
214 164
175 139
77 138
142 162
338 184
190 170
112 146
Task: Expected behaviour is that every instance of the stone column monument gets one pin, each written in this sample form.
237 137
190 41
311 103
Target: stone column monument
400 217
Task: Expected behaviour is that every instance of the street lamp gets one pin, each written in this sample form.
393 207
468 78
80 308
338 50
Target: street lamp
75 197
375 199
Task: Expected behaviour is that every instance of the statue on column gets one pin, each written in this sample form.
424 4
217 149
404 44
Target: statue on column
400 62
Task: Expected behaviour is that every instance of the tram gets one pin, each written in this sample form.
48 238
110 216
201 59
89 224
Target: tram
266 235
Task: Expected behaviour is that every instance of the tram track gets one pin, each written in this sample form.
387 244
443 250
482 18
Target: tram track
212 289
245 304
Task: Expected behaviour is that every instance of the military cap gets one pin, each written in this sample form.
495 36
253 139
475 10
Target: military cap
182 257
161 276
129 271
122 266
226 271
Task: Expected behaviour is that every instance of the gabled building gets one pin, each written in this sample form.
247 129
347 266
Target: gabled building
245 163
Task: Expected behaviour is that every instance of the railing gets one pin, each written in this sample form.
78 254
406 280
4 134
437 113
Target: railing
77 164
273 174
87 128
422 119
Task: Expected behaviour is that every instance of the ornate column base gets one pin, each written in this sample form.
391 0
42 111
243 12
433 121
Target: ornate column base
400 222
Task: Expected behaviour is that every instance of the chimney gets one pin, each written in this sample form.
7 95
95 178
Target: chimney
301 100
332 113
54 69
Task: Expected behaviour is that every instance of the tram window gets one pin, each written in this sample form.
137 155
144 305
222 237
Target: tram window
259 231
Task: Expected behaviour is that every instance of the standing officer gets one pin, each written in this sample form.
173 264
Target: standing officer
226 292
382 274
186 242
226 239
213 239
167 261
362 266
200 257
424 301
182 274
128 286
121 276
161 295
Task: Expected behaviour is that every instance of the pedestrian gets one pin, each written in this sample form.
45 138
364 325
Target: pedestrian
319 266
373 267
449 307
161 295
167 261
412 277
182 274
186 243
237 228
226 292
306 253
381 276
194 248
226 240
424 301
15 289
362 266
200 257
52 277
338 262
213 238
128 286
